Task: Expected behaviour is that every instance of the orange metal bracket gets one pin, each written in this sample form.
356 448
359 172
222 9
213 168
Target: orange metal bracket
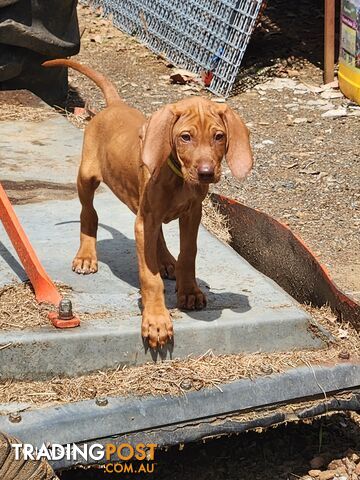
271 247
59 323
44 288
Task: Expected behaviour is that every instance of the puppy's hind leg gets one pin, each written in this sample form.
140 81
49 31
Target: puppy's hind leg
166 261
85 261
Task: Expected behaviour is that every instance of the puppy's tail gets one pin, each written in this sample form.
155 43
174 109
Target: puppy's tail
110 93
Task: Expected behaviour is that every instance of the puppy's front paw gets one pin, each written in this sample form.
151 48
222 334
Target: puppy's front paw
157 328
191 298
85 264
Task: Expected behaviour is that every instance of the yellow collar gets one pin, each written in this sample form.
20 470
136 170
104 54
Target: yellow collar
173 167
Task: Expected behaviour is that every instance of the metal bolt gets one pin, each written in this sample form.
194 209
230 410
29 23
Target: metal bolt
101 402
344 355
186 384
65 309
15 417
267 370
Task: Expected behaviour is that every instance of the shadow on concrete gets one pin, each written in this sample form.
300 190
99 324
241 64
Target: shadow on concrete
119 254
217 302
160 353
13 263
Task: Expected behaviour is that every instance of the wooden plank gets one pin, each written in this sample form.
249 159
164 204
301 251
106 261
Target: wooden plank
329 41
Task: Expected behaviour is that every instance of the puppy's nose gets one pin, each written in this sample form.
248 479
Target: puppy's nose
205 173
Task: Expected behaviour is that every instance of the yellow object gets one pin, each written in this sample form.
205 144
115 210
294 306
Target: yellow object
174 168
349 68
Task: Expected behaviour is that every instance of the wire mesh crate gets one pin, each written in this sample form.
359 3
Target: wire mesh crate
199 35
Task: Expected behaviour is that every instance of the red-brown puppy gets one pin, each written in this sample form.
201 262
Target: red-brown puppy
161 169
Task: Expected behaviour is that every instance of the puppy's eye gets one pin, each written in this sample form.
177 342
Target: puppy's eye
186 137
219 136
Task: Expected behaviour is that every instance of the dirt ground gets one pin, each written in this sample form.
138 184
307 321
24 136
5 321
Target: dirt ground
282 453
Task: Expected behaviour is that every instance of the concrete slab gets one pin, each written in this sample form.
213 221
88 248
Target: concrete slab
43 151
246 311
46 150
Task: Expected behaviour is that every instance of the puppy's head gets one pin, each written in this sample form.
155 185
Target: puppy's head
198 134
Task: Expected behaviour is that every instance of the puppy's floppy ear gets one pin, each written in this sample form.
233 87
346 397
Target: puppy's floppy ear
156 138
238 149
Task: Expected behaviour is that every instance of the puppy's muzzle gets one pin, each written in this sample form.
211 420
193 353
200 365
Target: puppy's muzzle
206 173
